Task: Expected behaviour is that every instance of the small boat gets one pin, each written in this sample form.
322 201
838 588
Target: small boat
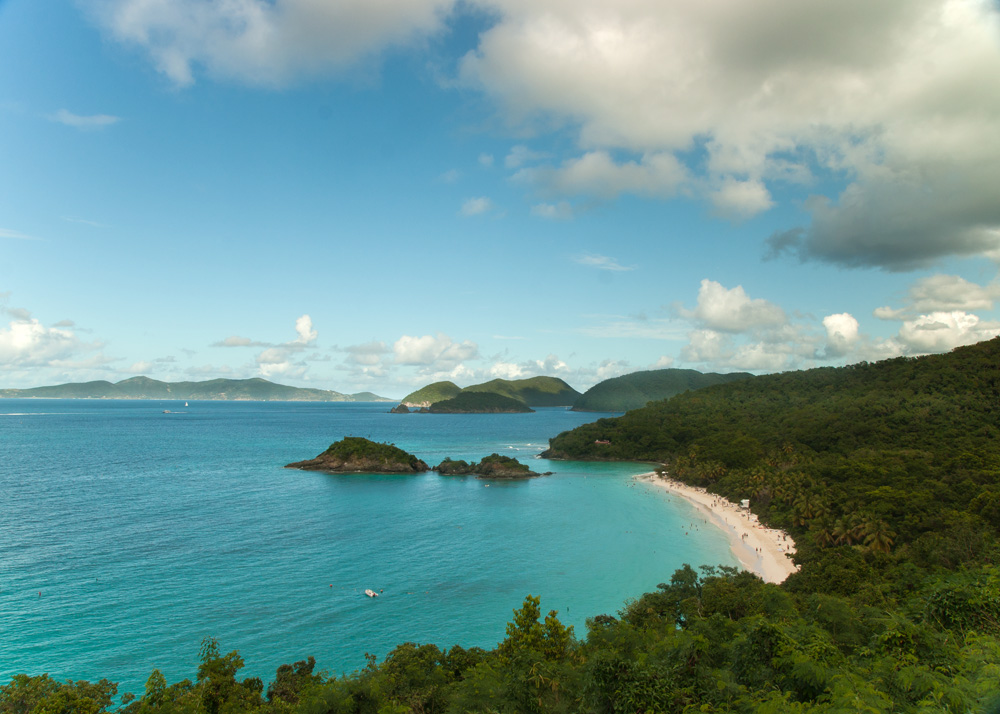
371 593
185 403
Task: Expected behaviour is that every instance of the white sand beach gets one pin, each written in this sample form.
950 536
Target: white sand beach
762 550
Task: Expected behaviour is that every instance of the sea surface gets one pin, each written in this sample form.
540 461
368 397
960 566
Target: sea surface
127 535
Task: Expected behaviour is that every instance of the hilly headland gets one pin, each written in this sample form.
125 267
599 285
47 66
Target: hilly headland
256 389
517 395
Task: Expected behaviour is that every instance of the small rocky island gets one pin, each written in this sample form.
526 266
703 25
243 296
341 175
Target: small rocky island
490 467
354 454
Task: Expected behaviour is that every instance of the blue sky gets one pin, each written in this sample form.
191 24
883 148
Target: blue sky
360 195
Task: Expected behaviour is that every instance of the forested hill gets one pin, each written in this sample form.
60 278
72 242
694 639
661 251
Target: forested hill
530 392
888 476
213 389
900 455
632 391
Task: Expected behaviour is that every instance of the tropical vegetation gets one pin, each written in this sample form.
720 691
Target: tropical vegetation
635 390
888 477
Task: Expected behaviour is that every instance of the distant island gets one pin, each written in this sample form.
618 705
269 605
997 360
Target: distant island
518 395
632 391
493 466
354 454
258 390
479 403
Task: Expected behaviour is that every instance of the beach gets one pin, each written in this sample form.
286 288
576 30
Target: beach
764 551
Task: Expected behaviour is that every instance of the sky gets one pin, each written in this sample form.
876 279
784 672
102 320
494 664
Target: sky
371 195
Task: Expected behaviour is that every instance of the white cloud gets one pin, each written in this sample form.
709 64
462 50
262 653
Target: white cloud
733 310
93 121
741 199
664 362
841 334
304 328
943 331
476 206
938 293
505 370
486 160
25 342
601 262
596 173
897 99
439 352
265 43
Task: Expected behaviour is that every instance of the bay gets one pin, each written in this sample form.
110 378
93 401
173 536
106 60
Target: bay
128 535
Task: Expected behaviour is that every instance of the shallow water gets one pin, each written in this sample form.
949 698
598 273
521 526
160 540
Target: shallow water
127 535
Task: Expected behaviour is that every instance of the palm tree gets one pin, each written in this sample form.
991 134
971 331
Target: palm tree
878 536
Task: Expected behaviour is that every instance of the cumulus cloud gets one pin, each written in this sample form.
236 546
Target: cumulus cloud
476 206
486 160
741 199
93 121
943 331
601 262
26 342
732 310
936 315
842 333
304 328
261 42
520 155
897 99
437 353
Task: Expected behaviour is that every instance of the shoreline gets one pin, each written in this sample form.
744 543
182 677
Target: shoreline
759 549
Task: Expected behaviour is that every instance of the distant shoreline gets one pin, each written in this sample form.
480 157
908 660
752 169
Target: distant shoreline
759 549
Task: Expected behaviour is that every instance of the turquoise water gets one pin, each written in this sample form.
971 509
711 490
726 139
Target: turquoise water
127 535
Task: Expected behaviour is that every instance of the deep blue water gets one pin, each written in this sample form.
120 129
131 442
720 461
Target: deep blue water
128 535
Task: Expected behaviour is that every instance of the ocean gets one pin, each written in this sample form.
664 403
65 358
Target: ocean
127 535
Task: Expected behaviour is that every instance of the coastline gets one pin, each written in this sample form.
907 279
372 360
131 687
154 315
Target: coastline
759 549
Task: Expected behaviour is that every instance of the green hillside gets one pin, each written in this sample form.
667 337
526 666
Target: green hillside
888 477
534 391
631 391
215 389
479 403
425 396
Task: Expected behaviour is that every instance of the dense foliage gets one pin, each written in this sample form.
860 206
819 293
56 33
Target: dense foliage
492 466
479 402
532 392
887 474
356 448
632 391
436 392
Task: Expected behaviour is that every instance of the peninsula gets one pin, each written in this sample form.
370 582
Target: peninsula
354 454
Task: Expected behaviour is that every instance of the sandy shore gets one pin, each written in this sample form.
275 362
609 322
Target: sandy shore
762 550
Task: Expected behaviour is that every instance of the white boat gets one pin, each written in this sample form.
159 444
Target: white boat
371 593
185 403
